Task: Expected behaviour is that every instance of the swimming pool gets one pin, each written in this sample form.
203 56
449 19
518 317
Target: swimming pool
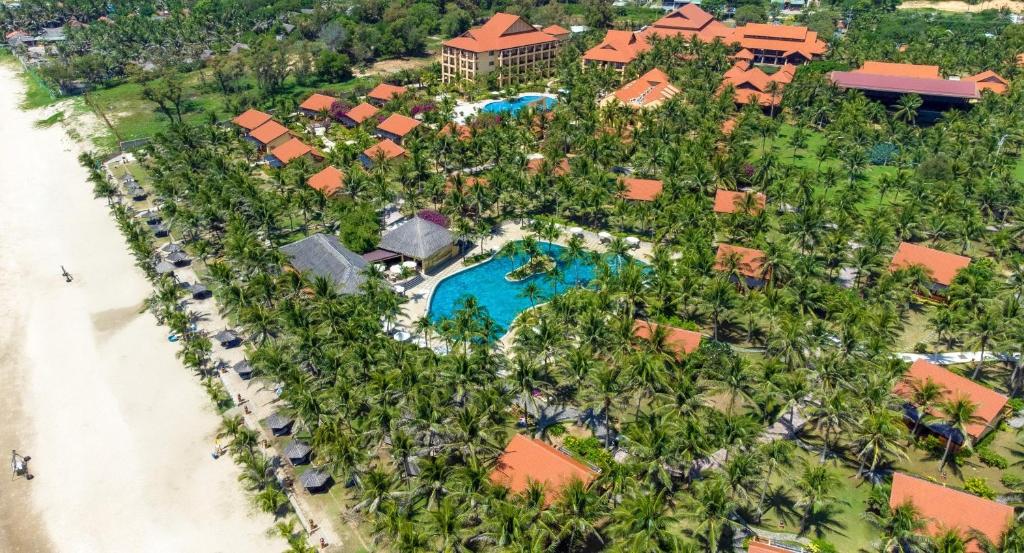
543 103
502 299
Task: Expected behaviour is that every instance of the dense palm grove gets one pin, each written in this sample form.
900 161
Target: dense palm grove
415 434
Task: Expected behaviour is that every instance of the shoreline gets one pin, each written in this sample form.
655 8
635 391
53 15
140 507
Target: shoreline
118 430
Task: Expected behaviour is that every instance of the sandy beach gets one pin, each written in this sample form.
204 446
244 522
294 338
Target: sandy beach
119 432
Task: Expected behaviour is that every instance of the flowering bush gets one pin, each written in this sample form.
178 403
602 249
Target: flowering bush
338 109
433 217
421 108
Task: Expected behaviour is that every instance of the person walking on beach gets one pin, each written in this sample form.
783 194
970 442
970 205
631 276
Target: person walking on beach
67 276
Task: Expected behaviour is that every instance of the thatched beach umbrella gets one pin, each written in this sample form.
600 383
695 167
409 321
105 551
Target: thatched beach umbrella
316 480
164 268
297 452
280 425
244 369
226 338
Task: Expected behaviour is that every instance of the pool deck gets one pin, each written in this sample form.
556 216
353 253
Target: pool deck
465 110
509 231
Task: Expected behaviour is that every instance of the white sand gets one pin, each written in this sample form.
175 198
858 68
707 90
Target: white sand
119 432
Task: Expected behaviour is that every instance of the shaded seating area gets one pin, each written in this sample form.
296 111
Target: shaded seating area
316 480
280 425
179 259
243 369
164 268
324 255
160 230
199 291
419 240
227 338
298 453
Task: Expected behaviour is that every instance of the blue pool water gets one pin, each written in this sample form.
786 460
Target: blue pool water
513 107
498 296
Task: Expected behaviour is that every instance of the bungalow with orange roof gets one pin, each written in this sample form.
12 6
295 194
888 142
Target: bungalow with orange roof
943 508
385 150
464 183
505 44
526 461
251 119
269 135
650 90
990 81
990 404
290 151
617 50
317 104
641 190
535 165
778 44
757 546
384 93
751 85
328 181
731 201
357 115
942 266
746 262
396 127
680 341
460 131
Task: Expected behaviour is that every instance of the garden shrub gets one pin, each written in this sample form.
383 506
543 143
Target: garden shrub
992 459
882 153
591 449
979 487
1012 481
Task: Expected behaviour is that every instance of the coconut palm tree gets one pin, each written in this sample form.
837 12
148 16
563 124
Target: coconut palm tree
957 414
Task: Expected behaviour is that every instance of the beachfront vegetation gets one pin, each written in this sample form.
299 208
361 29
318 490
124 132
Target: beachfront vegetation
413 435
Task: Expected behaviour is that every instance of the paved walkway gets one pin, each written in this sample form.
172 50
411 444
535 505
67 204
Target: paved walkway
954 357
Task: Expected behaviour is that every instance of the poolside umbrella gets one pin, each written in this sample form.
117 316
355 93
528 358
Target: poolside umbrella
409 264
575 230
402 336
315 480
604 236
164 268
280 425
633 241
243 369
297 452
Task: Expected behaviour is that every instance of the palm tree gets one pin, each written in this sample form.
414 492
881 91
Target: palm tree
902 528
925 395
816 485
775 453
644 522
577 511
713 510
985 328
719 297
876 438
907 106
958 414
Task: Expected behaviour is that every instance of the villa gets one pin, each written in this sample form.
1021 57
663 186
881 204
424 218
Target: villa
396 127
941 266
316 104
269 135
506 44
641 190
290 151
251 120
384 93
778 44
527 460
680 341
944 508
385 150
649 91
887 82
461 132
328 181
357 115
535 165
730 201
419 240
990 81
324 255
989 403
751 85
756 546
747 262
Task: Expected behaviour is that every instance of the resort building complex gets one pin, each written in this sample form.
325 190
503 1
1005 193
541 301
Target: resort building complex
505 44
888 82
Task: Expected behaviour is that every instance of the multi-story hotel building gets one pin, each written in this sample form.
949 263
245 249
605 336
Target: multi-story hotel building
505 44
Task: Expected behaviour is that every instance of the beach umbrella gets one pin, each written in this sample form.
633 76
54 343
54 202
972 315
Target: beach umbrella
164 268
409 264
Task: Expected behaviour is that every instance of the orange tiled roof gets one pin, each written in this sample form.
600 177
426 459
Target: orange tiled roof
728 126
750 260
990 403
362 112
944 508
750 84
329 180
617 47
318 102
651 89
560 169
788 39
385 92
989 80
467 183
251 119
463 132
890 69
642 190
527 460
390 149
687 21
942 266
726 201
268 132
500 32
679 340
555 30
292 149
398 124
761 547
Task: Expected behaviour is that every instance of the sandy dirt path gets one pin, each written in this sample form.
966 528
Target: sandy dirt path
963 7
119 432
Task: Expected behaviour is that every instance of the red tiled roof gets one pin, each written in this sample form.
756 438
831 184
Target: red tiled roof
945 508
728 125
463 132
329 180
750 260
527 460
500 32
990 403
643 190
293 149
555 30
385 92
726 201
679 340
989 80
651 88
761 547
268 132
251 119
617 47
560 169
787 38
900 70
467 183
398 124
750 84
743 55
942 266
318 102
362 112
690 17
390 149
904 85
